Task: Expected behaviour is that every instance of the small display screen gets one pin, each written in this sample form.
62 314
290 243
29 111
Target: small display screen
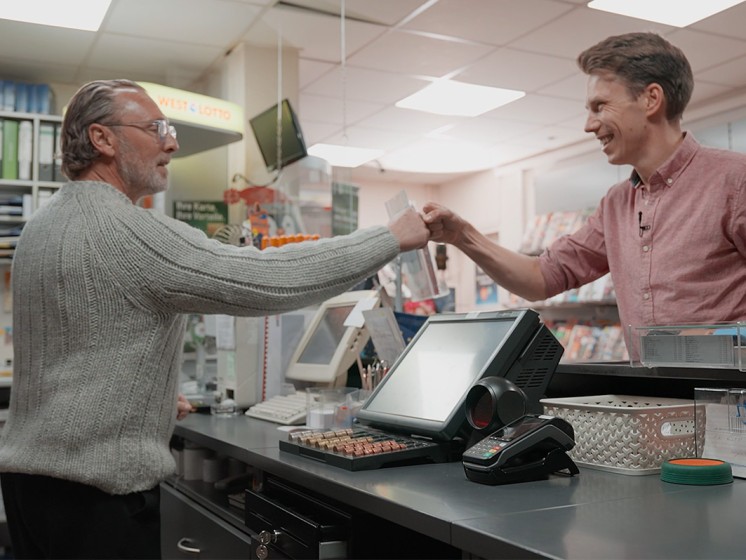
431 379
292 144
509 433
326 337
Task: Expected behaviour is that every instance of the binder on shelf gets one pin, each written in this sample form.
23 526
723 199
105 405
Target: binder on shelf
9 95
8 241
1 133
10 210
46 151
28 206
7 199
25 149
57 172
22 97
10 149
41 99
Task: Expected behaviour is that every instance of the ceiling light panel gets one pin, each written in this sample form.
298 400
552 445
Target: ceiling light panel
681 14
448 97
85 15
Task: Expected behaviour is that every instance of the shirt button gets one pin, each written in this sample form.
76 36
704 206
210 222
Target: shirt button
669 180
646 248
646 296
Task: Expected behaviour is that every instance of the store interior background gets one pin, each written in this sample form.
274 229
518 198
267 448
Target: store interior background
526 158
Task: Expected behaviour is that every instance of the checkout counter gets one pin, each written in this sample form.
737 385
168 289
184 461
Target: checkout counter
433 511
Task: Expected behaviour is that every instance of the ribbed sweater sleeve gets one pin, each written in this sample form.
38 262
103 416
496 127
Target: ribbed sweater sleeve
100 289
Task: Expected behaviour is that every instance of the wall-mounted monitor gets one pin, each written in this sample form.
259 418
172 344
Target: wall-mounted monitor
425 390
329 347
267 130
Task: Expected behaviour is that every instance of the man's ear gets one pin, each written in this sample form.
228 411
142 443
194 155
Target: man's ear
655 100
102 139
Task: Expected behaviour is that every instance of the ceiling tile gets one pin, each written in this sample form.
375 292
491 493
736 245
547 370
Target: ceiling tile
569 35
507 68
54 45
315 132
385 12
318 37
705 91
414 54
31 71
729 74
139 60
366 85
551 137
495 22
487 131
201 22
372 138
406 120
311 70
538 109
705 50
573 88
329 109
727 23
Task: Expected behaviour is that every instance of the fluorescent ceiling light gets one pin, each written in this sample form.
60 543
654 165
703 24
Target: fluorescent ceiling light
85 15
344 156
446 97
678 14
440 156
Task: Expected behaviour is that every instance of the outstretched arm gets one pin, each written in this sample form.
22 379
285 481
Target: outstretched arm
517 273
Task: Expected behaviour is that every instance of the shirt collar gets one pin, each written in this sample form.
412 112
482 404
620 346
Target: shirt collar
670 170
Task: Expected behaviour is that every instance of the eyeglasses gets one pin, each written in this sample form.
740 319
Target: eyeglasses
164 128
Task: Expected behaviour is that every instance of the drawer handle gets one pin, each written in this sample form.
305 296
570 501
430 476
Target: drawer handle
187 545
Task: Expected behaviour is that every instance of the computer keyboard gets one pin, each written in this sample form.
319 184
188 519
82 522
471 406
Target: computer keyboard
364 448
281 409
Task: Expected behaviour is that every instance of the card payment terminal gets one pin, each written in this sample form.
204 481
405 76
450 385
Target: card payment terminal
529 448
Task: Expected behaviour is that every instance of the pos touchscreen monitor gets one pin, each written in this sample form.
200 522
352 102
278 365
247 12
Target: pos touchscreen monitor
425 390
329 346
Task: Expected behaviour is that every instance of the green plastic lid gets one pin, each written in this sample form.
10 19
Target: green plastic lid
694 470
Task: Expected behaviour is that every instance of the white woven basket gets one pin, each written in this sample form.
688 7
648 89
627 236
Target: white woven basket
627 434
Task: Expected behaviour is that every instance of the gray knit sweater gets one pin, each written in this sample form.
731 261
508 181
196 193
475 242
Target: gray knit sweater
100 289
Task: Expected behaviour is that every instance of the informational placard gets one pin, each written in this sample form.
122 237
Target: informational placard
385 333
710 350
344 208
206 215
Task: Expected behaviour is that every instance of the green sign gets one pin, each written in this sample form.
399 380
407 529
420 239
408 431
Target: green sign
205 215
344 208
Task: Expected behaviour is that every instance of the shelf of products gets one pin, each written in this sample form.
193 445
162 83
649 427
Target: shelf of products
29 170
547 228
585 320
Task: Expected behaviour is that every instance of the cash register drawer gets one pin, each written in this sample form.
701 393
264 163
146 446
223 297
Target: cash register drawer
291 523
188 530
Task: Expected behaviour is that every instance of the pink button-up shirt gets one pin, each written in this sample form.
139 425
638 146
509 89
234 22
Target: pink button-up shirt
676 250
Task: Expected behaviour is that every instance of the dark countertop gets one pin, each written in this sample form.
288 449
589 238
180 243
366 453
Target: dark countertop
594 515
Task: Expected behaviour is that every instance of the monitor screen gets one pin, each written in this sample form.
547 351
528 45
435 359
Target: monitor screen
329 346
265 127
326 337
425 390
